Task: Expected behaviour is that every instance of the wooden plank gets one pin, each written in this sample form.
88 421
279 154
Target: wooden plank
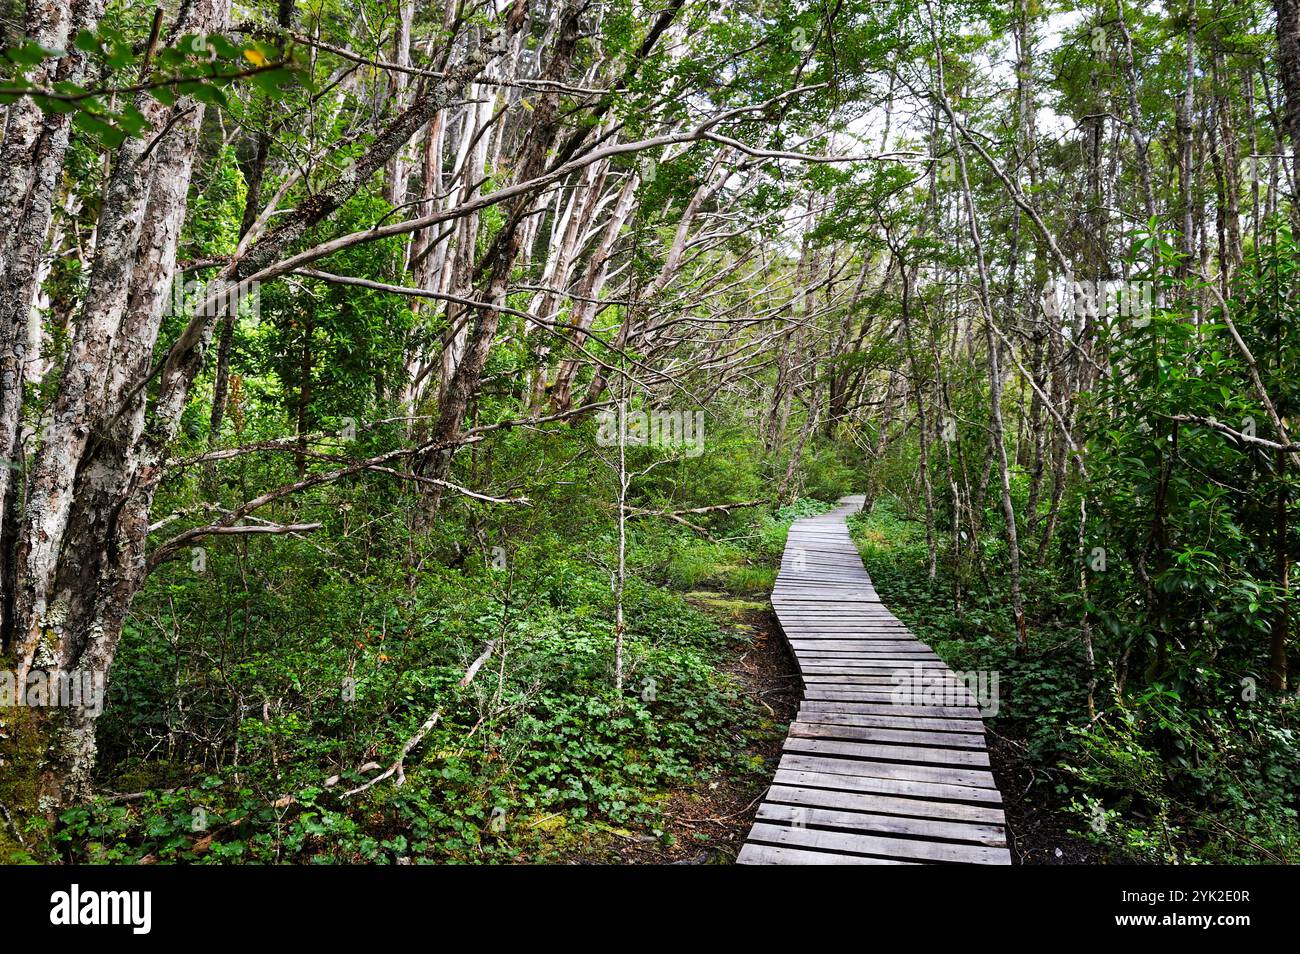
822 656
951 794
830 619
876 708
820 583
929 755
814 694
821 599
793 629
809 563
955 740
886 679
848 638
973 726
832 615
868 661
849 643
880 653
837 614
906 848
865 768
879 647
884 697
805 630
895 659
816 579
804 602
849 666
756 854
840 623
885 804
875 679
805 816
891 660
799 631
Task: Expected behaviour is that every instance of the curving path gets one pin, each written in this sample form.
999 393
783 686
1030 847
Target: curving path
867 777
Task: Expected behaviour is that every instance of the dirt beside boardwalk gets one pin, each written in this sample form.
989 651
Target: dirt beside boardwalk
1039 831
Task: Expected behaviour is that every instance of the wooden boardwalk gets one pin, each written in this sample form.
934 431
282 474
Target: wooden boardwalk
866 778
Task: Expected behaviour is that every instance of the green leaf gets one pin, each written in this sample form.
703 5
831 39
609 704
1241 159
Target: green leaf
31 53
164 94
87 42
132 120
119 54
51 104
105 132
212 95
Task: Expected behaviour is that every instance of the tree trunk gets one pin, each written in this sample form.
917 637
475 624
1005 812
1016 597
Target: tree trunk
502 255
81 553
996 430
1288 66
30 162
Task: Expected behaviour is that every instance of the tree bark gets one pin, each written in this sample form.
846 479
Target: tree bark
30 162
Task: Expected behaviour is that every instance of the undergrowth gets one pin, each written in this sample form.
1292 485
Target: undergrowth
1188 773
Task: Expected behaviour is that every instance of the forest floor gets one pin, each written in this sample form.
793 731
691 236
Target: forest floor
1039 830
707 824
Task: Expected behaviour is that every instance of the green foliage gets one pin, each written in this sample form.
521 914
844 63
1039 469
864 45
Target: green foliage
216 206
200 67
1196 774
298 665
826 475
1211 783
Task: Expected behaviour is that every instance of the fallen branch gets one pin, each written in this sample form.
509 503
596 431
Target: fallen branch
1253 367
398 766
678 516
477 664
275 529
448 485
715 508
692 526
